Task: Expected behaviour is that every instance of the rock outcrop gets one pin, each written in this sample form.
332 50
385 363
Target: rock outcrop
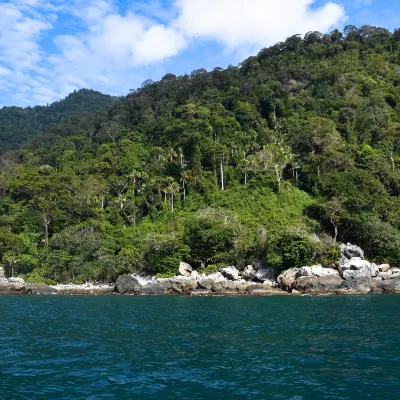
354 274
185 269
39 288
231 273
127 284
11 285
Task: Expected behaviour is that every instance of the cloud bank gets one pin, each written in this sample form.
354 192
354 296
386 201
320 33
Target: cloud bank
48 48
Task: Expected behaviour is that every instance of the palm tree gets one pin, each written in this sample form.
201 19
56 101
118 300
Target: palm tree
184 179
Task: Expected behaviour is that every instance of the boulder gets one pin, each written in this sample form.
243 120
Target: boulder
350 251
5 286
16 283
39 288
374 270
216 287
384 267
389 286
395 273
153 289
185 269
317 271
318 285
355 268
230 273
361 274
127 284
187 284
356 286
249 273
205 283
385 276
265 273
286 279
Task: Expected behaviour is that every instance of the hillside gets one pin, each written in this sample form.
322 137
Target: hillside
275 160
19 124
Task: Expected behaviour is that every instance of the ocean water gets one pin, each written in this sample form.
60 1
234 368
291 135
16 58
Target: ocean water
109 347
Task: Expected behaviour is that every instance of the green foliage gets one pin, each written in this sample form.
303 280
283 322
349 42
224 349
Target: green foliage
292 250
212 168
18 125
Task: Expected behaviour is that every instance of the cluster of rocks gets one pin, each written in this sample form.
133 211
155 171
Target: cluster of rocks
351 274
19 286
10 285
253 280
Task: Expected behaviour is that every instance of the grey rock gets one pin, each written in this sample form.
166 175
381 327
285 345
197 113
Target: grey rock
395 273
185 269
249 273
357 285
187 285
154 289
205 283
127 284
2 274
317 285
265 273
374 270
389 286
216 287
230 273
286 279
229 287
317 271
385 276
16 283
350 251
363 274
39 288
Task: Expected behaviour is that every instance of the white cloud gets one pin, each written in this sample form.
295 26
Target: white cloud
238 23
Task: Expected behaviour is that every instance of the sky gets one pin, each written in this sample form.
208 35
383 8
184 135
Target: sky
49 48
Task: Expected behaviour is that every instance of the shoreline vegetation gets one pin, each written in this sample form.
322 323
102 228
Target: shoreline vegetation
245 173
351 274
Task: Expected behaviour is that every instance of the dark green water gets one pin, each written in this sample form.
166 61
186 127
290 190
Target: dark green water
200 348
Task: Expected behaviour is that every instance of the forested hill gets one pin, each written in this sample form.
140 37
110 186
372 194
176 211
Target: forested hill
18 124
275 160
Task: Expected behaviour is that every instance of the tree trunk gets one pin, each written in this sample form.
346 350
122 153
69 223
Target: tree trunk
172 201
222 175
336 232
46 223
184 190
245 178
278 178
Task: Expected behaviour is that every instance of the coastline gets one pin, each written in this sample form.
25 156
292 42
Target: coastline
350 275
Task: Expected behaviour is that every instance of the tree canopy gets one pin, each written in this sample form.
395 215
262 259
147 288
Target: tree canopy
274 160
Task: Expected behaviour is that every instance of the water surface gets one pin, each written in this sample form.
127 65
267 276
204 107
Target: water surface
109 347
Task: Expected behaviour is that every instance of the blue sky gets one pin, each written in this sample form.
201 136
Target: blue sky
48 48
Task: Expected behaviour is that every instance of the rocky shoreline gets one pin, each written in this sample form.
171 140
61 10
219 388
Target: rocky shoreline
351 274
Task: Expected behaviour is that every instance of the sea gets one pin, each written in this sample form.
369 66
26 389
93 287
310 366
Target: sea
133 347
